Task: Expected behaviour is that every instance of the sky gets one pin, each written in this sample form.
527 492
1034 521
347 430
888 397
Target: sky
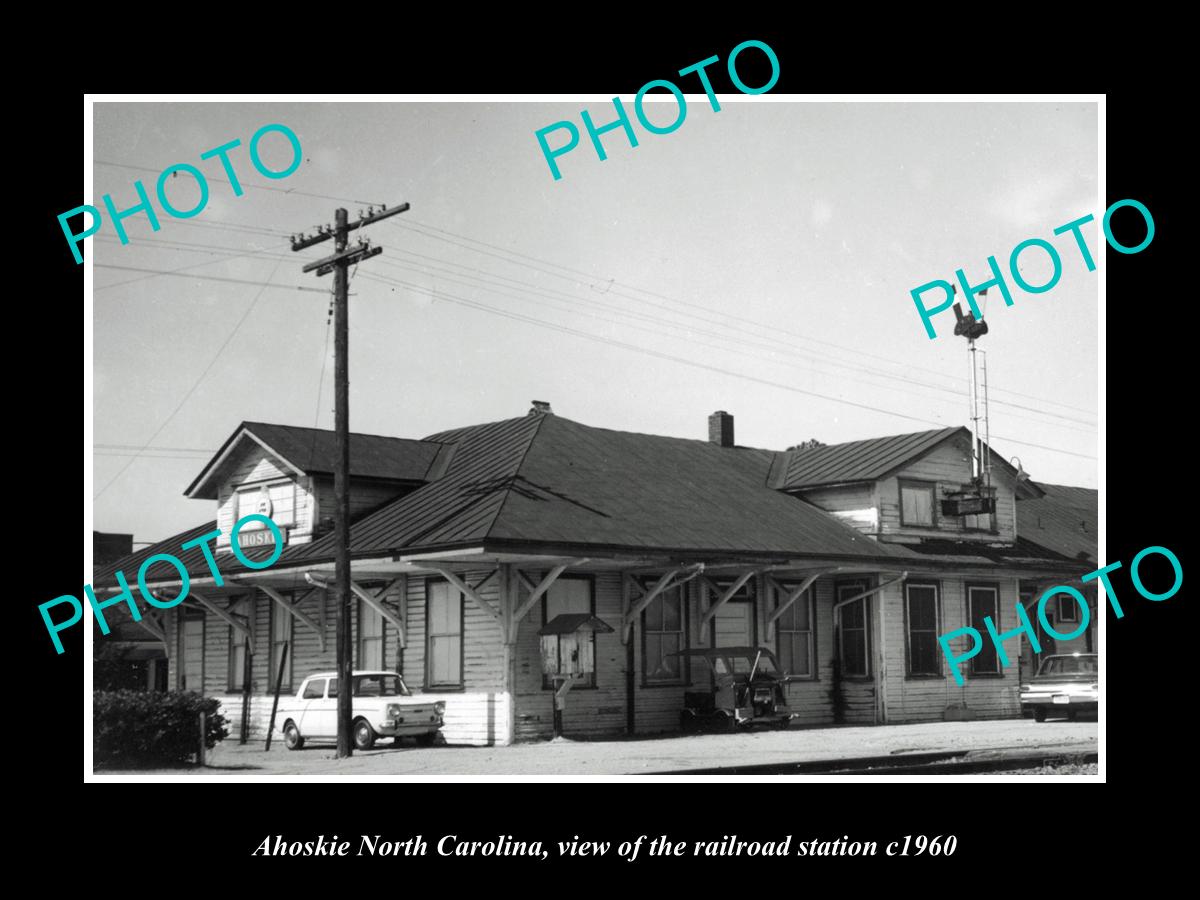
756 260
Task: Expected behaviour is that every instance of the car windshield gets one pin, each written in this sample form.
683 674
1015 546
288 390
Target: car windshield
380 686
1069 665
741 665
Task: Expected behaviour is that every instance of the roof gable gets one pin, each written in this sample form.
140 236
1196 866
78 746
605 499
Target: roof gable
871 460
312 451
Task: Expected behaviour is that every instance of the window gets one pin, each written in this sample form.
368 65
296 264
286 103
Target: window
1068 608
663 634
281 634
917 499
921 617
443 635
315 689
370 637
191 650
243 610
983 602
854 644
570 594
794 635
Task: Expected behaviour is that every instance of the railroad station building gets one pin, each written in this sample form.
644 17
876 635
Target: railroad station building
841 559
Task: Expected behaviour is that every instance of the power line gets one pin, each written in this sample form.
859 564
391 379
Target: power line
263 284
245 184
588 277
688 362
207 262
195 384
890 379
136 447
489 279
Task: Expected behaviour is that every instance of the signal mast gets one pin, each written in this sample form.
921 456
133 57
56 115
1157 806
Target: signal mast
978 497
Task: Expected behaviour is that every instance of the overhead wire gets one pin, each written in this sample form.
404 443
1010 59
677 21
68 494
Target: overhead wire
492 279
577 274
195 384
688 362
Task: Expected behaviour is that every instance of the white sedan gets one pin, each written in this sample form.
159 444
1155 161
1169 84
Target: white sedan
383 706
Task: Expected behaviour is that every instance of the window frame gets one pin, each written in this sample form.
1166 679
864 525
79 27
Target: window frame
810 594
547 681
937 629
234 673
684 677
272 673
462 638
190 615
985 638
358 631
747 594
859 584
932 487
1065 602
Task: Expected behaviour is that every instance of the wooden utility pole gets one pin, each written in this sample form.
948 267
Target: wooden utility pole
338 264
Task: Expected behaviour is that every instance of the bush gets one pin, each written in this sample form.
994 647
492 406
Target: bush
143 728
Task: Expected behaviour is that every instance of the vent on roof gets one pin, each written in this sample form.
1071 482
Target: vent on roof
541 408
720 428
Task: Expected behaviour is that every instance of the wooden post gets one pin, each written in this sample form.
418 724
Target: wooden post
246 672
278 685
338 264
627 634
203 734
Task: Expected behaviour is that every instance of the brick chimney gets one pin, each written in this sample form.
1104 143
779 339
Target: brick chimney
720 429
540 408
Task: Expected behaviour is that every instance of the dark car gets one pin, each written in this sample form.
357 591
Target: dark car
747 690
1065 684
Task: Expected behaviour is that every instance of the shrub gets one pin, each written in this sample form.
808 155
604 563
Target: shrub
143 728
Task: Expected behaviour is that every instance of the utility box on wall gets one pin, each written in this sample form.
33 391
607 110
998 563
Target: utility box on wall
568 655
567 645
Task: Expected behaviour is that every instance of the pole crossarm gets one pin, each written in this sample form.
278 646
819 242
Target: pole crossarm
291 608
237 623
375 601
302 242
346 258
471 593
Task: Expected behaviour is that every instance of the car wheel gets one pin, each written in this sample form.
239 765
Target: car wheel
427 740
1039 715
364 735
291 736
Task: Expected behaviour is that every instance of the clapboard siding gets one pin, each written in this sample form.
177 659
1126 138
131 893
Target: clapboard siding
364 496
478 714
288 497
305 654
949 464
589 711
812 700
922 699
854 504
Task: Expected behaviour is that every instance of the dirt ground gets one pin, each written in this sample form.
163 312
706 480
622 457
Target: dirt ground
644 756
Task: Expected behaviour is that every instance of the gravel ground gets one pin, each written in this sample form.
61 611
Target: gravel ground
642 756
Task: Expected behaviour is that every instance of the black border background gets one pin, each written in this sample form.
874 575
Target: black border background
1148 497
